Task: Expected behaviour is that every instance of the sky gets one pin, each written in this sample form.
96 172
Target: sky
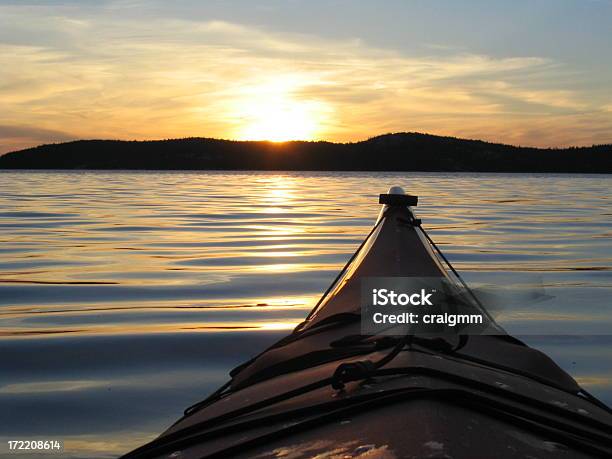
533 72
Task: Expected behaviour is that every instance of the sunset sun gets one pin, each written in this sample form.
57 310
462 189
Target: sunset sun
273 113
279 122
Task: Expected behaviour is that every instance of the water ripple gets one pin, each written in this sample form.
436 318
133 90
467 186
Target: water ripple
117 288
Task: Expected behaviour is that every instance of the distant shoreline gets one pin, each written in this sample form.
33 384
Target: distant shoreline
400 152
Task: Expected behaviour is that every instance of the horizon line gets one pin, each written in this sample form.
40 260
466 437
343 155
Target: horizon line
282 142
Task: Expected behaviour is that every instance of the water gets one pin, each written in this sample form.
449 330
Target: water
127 296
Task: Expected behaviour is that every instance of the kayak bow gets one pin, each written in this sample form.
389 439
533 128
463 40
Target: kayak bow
328 391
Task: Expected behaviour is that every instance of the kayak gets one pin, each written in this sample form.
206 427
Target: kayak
328 390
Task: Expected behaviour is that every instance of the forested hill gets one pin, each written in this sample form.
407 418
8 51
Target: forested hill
390 152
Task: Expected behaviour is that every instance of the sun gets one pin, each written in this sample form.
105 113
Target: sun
273 113
280 121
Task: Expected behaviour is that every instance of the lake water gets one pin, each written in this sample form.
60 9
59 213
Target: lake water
127 296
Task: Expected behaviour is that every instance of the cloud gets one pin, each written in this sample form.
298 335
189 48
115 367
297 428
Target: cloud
32 133
18 137
69 72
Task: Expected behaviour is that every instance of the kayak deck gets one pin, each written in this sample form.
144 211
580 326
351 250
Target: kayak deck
440 398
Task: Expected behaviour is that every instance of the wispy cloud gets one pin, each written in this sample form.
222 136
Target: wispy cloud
25 136
65 73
